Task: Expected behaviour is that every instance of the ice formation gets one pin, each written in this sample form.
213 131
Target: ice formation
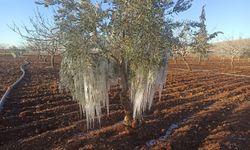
89 83
143 87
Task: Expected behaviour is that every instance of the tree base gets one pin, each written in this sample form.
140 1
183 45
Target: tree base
128 121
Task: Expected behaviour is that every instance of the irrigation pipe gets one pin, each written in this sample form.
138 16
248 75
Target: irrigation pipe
10 88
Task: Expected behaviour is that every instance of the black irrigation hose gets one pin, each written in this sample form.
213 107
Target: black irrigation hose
10 88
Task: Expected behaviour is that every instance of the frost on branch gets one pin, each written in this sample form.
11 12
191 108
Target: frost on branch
88 80
144 85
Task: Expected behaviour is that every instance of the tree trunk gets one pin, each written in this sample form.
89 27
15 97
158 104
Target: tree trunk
223 59
125 100
39 55
44 57
52 60
232 62
186 63
175 59
207 58
200 57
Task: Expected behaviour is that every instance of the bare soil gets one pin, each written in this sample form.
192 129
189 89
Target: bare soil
201 110
9 71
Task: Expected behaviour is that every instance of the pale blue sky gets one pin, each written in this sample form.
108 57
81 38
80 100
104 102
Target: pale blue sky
230 16
18 11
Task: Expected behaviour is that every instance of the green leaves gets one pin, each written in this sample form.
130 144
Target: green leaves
129 38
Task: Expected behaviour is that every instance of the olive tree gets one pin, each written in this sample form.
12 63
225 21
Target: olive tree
234 47
246 53
37 47
183 42
115 40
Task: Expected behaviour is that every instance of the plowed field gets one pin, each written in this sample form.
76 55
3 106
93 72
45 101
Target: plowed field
9 71
198 110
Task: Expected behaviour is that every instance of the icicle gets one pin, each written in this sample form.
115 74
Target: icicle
143 87
162 75
88 82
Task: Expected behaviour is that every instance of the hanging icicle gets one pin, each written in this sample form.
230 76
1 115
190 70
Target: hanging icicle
89 83
144 85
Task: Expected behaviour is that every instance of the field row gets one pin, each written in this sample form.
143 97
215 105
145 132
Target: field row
198 110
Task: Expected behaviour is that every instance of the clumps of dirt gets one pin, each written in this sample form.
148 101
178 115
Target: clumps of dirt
198 110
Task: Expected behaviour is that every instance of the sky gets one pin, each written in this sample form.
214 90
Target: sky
18 12
229 16
232 17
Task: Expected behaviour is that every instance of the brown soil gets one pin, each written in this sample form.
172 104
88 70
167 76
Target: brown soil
9 71
206 110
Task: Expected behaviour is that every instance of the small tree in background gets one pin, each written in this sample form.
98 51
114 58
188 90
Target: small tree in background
36 46
246 53
235 47
201 45
183 42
